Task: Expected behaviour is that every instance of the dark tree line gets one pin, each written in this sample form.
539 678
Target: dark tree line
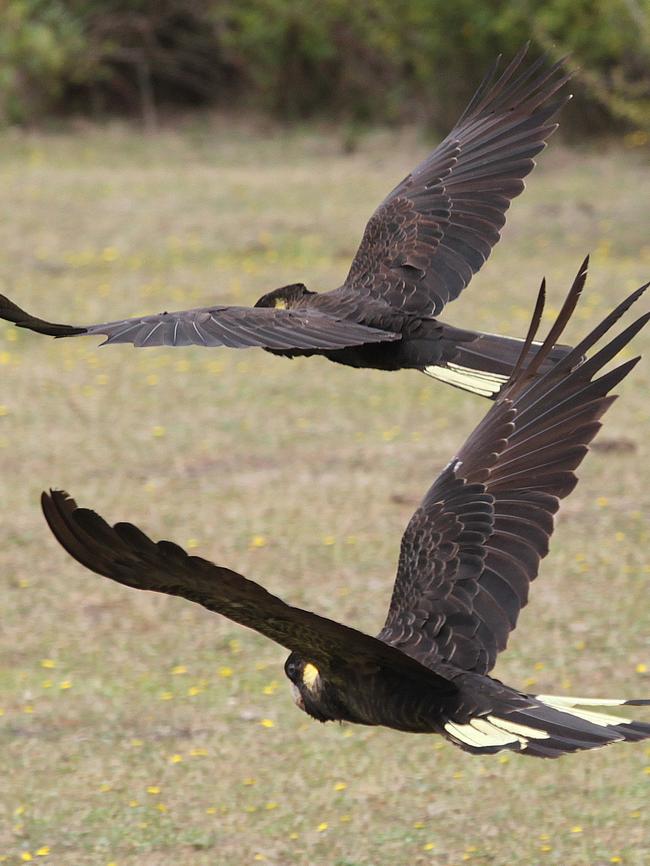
374 60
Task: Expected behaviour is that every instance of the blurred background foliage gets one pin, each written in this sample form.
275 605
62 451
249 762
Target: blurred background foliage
369 61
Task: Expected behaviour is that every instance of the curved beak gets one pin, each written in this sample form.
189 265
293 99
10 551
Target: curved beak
297 697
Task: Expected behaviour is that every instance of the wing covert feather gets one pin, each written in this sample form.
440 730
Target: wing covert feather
126 555
236 327
473 547
437 227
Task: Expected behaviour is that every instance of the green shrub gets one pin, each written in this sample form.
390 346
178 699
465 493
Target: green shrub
42 48
370 60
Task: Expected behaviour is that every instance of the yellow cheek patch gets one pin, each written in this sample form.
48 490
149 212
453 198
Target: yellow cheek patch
310 674
280 304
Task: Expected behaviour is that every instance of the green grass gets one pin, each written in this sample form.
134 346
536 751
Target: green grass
319 466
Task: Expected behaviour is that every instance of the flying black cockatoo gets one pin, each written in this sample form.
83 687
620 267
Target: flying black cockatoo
420 249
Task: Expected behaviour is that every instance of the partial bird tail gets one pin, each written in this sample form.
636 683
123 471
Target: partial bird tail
554 725
483 364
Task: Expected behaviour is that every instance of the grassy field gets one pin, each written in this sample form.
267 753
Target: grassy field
139 729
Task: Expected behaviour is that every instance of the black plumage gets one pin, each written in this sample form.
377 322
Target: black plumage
420 249
467 559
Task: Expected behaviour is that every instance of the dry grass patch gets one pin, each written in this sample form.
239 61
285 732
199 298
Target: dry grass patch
142 730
